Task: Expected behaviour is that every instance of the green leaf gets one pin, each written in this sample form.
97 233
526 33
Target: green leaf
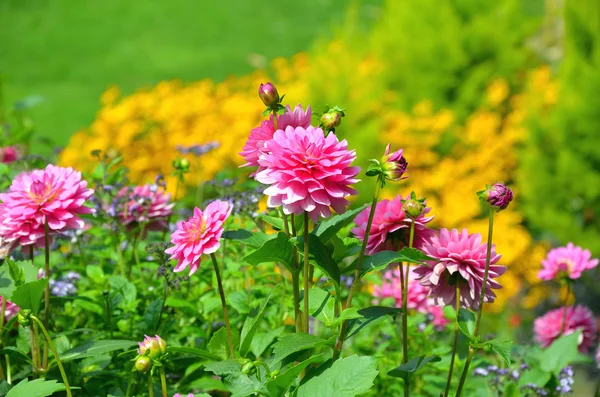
321 305
95 273
92 349
7 284
535 375
225 367
277 223
35 388
347 377
251 239
262 340
239 301
350 313
151 314
219 343
16 273
282 383
251 324
560 353
466 322
14 352
123 293
276 250
328 228
502 347
370 315
407 370
293 343
382 259
29 295
320 256
192 351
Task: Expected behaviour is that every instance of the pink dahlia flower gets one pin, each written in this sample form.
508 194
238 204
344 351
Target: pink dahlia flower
307 172
8 154
152 347
54 194
147 203
548 328
459 257
255 145
391 227
569 261
11 309
198 235
417 295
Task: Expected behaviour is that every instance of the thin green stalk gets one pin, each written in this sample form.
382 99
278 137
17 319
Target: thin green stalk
47 290
296 289
130 382
33 347
38 353
404 287
463 377
2 318
163 381
150 389
455 344
306 273
108 315
286 226
56 356
8 373
223 304
120 254
564 317
355 282
175 200
162 306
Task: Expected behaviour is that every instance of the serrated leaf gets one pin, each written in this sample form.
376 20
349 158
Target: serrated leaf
29 295
250 239
370 315
320 305
251 324
466 322
275 250
329 227
407 370
219 343
261 341
293 343
225 367
282 383
192 351
35 388
320 256
502 347
347 377
151 315
92 349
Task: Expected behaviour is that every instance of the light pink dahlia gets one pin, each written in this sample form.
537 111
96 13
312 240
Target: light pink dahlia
198 235
255 145
152 346
307 172
548 328
147 203
391 227
11 309
54 193
459 257
569 261
417 299
8 154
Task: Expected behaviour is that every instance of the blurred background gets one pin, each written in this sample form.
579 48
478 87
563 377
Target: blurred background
474 91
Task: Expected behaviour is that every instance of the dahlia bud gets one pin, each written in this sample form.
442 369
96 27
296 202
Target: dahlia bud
413 207
8 155
498 196
248 367
268 94
394 164
142 364
332 118
152 347
181 165
24 317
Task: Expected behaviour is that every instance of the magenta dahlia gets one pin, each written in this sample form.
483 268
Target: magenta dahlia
201 234
548 328
11 309
391 227
307 172
498 196
147 203
8 154
569 261
255 145
459 257
55 194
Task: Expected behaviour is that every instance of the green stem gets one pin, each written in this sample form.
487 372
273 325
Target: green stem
169 217
296 288
162 306
150 389
108 315
306 273
8 373
130 383
47 290
463 377
163 381
2 318
286 226
224 304
404 286
56 356
34 358
454 345
355 282
564 317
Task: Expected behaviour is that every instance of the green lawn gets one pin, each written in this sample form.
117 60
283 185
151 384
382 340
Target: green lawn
69 51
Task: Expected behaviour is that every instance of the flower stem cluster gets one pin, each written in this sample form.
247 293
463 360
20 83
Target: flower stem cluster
152 352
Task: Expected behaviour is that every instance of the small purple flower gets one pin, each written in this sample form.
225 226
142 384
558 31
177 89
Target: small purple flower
498 196
198 150
480 372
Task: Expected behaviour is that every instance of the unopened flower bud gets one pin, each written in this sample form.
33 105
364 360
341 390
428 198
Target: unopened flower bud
413 208
248 368
24 317
182 165
268 94
152 347
142 364
330 120
498 196
394 164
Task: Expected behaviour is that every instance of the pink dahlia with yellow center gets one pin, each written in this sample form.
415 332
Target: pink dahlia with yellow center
391 227
200 234
307 172
555 324
55 195
459 258
145 204
569 261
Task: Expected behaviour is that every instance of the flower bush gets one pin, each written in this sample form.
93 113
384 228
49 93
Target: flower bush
283 310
